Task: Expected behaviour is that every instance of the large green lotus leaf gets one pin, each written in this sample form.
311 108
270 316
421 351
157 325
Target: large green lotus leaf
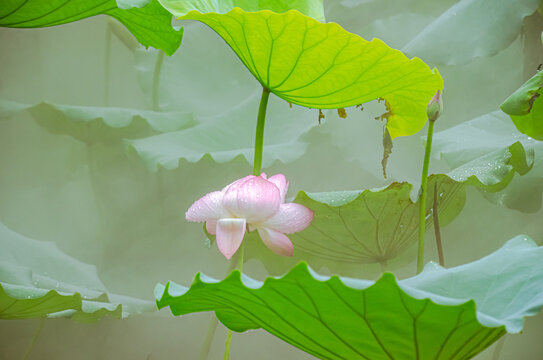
149 22
92 124
317 65
450 39
525 106
365 227
439 314
376 226
38 280
472 142
230 135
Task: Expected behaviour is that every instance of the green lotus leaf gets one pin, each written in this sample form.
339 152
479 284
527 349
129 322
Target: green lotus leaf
525 106
380 226
91 124
145 19
230 135
476 140
450 39
365 227
38 280
439 314
318 65
376 226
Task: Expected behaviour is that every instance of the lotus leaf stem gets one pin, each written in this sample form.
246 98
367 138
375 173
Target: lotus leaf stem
423 194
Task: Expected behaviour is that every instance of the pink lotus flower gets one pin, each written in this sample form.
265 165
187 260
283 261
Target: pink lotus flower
256 203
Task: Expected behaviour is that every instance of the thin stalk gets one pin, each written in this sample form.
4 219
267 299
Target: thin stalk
213 323
423 194
384 266
259 138
257 167
498 349
99 203
107 61
229 334
204 352
37 333
156 107
156 80
227 345
437 229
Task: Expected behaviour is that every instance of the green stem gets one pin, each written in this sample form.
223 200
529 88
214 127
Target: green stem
422 200
498 349
34 338
437 229
156 80
384 266
156 107
227 345
107 61
241 252
259 138
209 337
257 167
229 334
204 352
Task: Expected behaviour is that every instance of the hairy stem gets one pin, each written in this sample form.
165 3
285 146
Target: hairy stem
204 352
498 349
423 194
155 103
229 334
227 345
212 328
156 80
437 229
107 60
259 138
257 167
37 333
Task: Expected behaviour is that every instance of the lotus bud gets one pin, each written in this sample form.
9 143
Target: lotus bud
435 107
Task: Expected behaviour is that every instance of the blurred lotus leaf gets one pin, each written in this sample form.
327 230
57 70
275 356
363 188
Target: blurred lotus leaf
469 29
475 140
441 313
92 124
210 88
320 65
230 135
525 106
145 19
38 280
311 8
